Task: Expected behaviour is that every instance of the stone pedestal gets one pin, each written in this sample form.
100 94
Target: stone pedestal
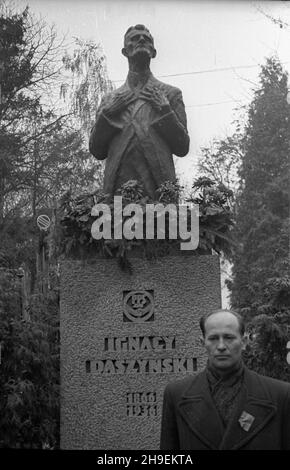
123 338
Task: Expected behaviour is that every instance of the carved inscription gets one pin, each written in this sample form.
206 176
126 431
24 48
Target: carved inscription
139 343
142 404
142 366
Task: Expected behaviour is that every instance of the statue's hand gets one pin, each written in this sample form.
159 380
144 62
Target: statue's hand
118 103
156 98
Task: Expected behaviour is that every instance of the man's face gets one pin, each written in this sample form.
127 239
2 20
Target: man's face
139 42
223 341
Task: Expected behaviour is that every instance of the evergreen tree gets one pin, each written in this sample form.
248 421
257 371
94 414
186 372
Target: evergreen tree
42 153
260 275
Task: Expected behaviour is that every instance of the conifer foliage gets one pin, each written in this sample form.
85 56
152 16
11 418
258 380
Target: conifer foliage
43 152
260 282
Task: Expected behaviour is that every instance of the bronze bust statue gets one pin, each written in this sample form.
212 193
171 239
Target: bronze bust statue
141 124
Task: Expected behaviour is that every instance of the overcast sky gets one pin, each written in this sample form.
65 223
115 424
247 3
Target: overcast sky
193 38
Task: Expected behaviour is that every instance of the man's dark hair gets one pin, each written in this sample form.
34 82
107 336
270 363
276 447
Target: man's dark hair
237 315
139 27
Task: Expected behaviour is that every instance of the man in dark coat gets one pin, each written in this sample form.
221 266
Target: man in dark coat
226 406
141 124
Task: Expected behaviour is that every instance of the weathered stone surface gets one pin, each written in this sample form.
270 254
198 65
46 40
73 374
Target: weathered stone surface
97 401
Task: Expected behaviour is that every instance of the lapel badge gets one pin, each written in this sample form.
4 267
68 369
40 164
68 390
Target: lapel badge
246 420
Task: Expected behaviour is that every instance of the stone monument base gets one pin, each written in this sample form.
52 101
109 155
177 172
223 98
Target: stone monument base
123 338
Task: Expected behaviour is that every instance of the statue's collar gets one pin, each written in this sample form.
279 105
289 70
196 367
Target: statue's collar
138 80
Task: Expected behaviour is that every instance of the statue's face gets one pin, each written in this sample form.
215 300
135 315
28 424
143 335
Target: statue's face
139 43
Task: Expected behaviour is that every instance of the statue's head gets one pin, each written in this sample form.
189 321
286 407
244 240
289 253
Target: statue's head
138 43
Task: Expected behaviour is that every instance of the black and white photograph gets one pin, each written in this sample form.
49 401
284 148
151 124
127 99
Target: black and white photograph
144 228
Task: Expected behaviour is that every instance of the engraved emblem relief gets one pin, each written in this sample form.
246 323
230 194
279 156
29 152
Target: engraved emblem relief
138 306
